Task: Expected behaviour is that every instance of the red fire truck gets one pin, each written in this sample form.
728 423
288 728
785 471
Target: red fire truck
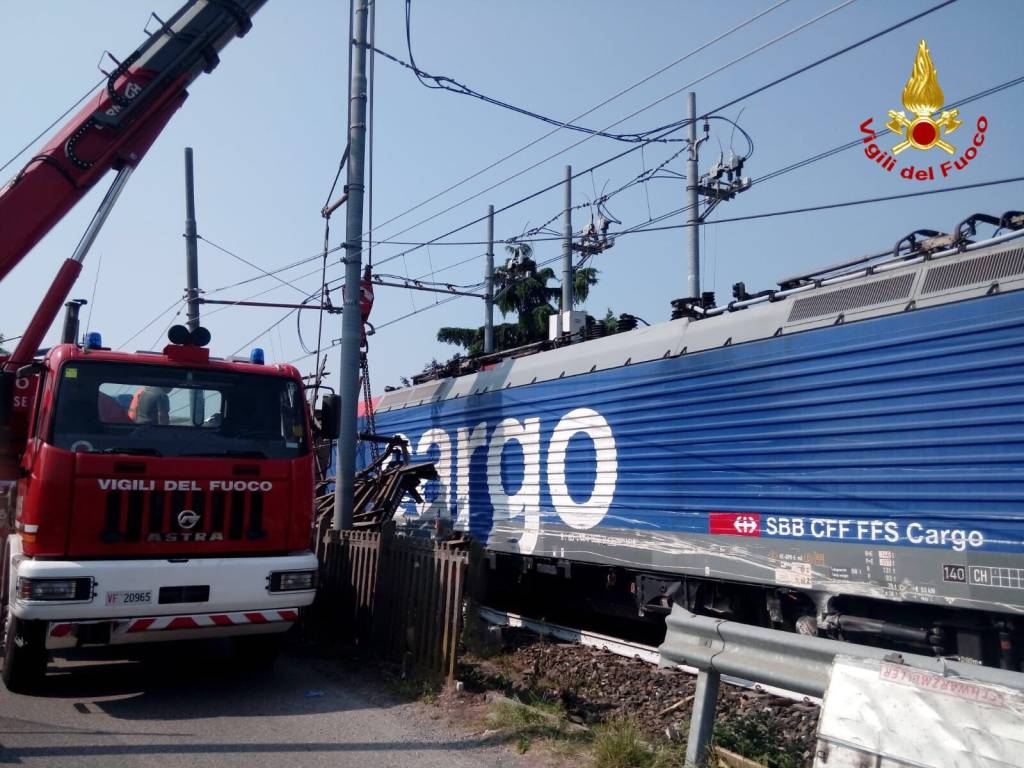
156 495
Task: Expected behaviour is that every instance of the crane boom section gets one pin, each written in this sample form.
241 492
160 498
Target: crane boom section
117 125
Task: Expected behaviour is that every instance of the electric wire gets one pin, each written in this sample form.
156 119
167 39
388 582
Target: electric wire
836 54
257 294
92 298
148 325
276 271
181 308
245 261
822 60
766 177
48 128
587 112
442 82
266 330
439 303
751 217
841 204
669 129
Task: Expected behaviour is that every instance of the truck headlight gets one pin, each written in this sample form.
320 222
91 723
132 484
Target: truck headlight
54 589
292 581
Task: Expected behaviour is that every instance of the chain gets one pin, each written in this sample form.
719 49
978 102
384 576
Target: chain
371 427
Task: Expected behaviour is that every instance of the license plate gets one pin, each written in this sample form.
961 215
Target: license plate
130 598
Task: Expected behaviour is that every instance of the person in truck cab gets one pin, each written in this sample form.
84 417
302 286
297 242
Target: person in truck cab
150 405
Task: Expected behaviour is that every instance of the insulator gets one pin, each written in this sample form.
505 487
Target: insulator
627 322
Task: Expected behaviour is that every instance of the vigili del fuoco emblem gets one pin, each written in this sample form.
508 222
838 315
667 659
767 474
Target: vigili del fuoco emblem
923 124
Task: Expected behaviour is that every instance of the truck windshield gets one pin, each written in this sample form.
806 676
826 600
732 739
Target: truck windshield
160 411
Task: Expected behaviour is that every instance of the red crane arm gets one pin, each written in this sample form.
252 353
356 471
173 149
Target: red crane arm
117 126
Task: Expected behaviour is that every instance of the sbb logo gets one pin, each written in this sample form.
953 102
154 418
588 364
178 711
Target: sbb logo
734 524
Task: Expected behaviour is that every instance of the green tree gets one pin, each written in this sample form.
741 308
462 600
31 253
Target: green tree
610 321
2 350
521 288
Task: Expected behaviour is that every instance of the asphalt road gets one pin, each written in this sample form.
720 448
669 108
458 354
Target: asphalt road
189 706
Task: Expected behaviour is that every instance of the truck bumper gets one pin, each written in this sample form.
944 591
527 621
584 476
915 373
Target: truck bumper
239 600
160 629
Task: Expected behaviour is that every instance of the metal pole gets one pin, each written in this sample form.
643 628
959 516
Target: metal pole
489 285
567 247
191 245
100 217
352 322
693 212
62 284
702 718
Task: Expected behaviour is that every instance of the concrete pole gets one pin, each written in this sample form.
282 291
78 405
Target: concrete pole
692 201
489 285
567 282
352 322
191 244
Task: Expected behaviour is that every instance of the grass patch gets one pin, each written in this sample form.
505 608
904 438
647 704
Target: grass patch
539 720
422 689
621 744
618 745
761 736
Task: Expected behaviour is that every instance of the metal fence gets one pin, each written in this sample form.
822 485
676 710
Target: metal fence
349 567
795 662
418 604
396 596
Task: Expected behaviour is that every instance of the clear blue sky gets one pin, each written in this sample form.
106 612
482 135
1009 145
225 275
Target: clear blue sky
268 126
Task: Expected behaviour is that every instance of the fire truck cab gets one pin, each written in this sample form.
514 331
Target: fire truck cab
157 496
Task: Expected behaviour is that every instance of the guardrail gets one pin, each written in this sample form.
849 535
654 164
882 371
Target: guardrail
796 662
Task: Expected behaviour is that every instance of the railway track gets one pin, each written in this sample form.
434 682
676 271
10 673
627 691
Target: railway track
620 647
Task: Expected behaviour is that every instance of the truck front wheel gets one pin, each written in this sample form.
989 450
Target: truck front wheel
24 654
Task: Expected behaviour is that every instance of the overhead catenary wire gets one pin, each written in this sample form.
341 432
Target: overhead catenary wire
522 238
443 82
669 130
834 54
270 272
734 219
605 102
732 102
841 204
257 294
662 217
415 244
245 261
752 217
757 180
439 303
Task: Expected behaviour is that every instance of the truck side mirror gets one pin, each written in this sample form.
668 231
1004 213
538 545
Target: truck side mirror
330 414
